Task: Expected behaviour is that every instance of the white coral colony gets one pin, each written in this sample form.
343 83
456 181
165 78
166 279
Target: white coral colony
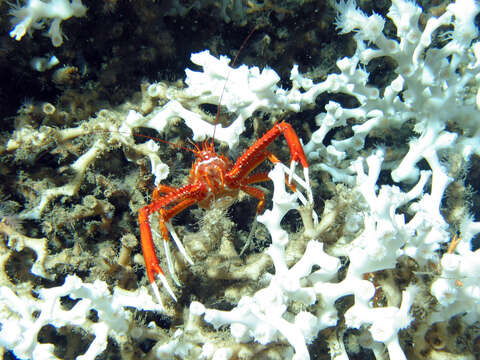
388 240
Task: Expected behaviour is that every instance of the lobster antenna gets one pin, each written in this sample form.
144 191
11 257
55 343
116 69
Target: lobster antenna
152 138
197 149
226 80
166 142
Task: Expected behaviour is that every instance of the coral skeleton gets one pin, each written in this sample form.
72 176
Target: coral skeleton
20 327
383 267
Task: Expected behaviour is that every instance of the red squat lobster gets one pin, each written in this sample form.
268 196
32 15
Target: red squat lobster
213 178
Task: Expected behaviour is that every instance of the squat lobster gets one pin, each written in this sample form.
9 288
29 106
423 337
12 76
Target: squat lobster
213 178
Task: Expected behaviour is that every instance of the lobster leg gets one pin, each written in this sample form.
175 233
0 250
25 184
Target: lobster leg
256 193
161 189
251 157
184 197
262 177
165 226
256 178
151 262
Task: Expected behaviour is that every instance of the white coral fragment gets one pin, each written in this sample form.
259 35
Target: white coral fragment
35 12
